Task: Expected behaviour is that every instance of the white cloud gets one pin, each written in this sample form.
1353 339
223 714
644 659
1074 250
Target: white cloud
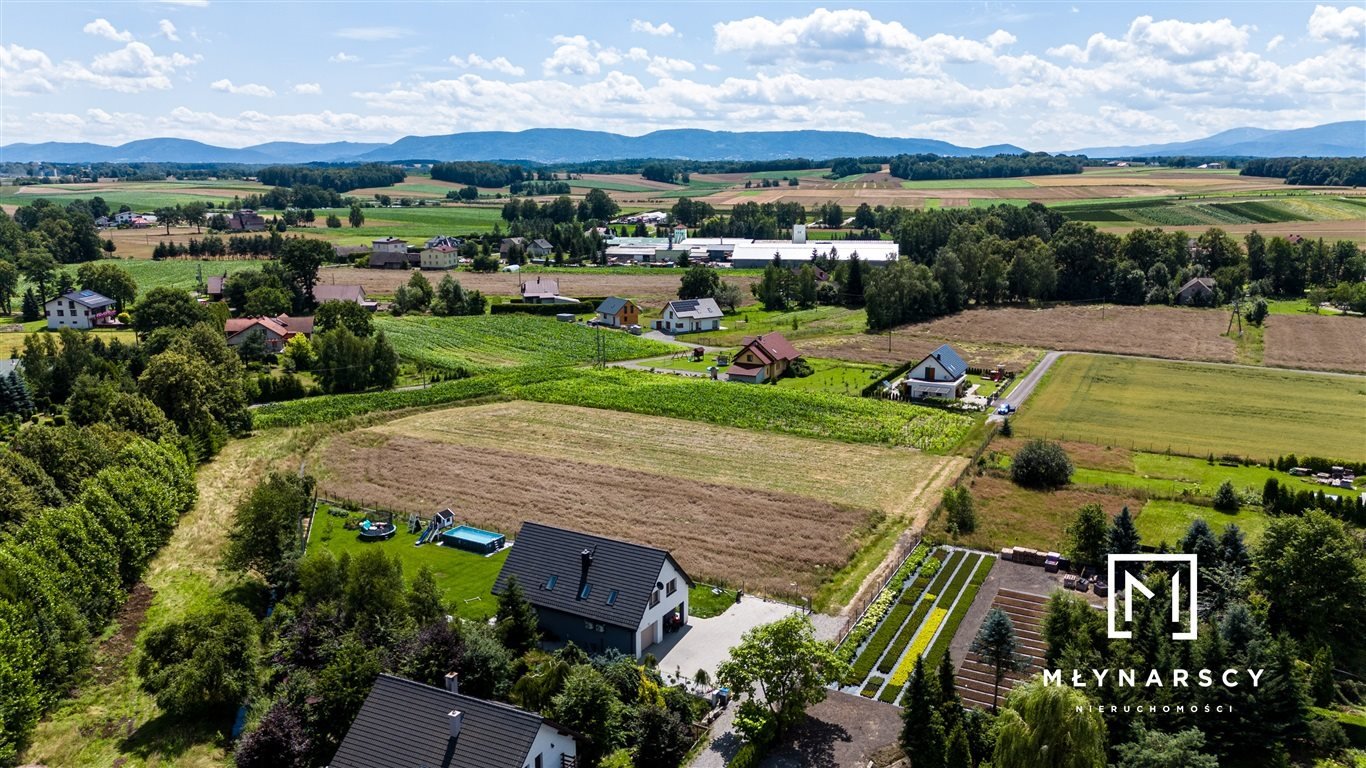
1001 38
496 64
578 55
1275 42
832 32
102 28
1329 23
662 66
246 89
131 69
373 33
167 30
664 29
343 58
308 89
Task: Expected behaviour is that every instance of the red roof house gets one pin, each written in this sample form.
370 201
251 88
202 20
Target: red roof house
762 358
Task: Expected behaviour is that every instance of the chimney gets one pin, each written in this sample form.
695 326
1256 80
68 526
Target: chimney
453 682
457 719
586 557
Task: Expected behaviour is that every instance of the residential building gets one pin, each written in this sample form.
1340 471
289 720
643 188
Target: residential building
213 286
439 257
942 374
124 217
762 358
394 260
544 290
617 312
389 245
275 330
406 724
690 316
328 292
446 240
104 222
1198 291
596 592
81 310
246 220
540 248
508 243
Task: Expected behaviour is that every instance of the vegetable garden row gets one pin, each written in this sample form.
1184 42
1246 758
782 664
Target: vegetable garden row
912 618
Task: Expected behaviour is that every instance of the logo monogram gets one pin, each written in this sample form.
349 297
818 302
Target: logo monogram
1133 583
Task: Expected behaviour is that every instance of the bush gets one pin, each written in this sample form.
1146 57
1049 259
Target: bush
1041 464
800 368
1226 498
204 663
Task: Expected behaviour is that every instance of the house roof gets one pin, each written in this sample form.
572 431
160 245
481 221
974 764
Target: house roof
302 325
405 724
950 362
612 305
701 309
88 298
214 285
442 248
447 240
236 325
542 243
541 286
1207 282
742 369
323 293
770 347
388 240
621 567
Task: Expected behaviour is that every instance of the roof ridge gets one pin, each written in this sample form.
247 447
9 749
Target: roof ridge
490 702
525 523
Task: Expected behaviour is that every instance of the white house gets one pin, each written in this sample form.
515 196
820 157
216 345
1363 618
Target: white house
439 257
389 245
404 724
597 592
941 374
690 316
81 310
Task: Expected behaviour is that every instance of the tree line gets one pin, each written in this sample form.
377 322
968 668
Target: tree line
1313 171
930 166
339 178
480 174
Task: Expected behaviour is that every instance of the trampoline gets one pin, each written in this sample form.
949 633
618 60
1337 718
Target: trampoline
376 531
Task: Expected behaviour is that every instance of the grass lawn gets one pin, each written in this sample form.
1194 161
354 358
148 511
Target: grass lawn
1296 307
464 577
412 223
1011 516
1167 521
178 273
835 376
1195 409
793 324
13 342
703 603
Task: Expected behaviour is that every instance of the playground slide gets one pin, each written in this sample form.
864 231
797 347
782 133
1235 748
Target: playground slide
428 534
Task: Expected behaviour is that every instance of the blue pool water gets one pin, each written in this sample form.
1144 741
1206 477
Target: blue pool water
474 535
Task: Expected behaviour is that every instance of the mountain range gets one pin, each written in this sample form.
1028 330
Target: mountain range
563 145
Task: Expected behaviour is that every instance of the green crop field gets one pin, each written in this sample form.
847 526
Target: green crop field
966 184
413 223
464 578
1167 521
179 273
611 186
806 174
474 344
1196 409
835 376
810 414
139 195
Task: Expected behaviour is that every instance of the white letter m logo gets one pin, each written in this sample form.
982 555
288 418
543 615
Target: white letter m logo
1132 583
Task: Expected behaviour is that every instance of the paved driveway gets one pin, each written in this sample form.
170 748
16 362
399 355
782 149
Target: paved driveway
705 643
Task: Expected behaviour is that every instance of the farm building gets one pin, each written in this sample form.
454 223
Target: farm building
246 220
405 723
760 253
690 316
941 374
81 310
335 292
616 312
276 330
597 592
762 358
1198 291
439 257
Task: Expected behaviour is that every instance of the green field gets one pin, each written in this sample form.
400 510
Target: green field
1196 409
809 414
793 324
835 376
611 186
1174 476
1213 209
966 184
474 344
811 173
1167 521
463 577
138 195
414 223
179 273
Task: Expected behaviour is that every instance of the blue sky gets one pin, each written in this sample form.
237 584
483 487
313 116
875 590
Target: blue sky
1050 76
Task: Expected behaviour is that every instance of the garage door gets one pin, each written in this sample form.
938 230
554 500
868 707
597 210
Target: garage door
647 637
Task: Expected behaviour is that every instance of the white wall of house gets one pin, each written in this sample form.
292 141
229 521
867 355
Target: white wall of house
672 323
274 342
552 747
393 246
651 627
64 313
435 259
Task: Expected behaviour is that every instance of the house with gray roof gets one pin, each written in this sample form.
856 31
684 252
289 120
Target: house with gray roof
405 724
83 310
616 312
597 592
690 316
941 374
1198 291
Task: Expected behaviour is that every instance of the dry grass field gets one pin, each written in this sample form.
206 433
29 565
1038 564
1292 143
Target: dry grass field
912 344
1156 331
1309 341
650 291
1011 516
748 508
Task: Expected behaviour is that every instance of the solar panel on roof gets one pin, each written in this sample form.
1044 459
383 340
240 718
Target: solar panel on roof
685 306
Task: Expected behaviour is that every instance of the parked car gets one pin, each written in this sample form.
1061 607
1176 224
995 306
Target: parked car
1006 409
634 330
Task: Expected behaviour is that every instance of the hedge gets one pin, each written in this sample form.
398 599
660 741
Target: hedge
960 610
870 689
517 307
908 630
878 644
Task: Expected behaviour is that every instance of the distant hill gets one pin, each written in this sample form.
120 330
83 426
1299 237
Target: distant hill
544 145
1346 139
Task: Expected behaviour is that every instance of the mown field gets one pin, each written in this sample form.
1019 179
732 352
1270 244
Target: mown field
475 344
737 507
1167 521
1197 409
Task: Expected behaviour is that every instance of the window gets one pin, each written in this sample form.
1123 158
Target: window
672 586
583 593
612 597
538 762
654 598
550 582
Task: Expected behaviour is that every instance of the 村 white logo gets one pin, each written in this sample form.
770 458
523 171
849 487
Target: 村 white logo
1132 582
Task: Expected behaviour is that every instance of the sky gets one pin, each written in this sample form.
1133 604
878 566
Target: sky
1045 76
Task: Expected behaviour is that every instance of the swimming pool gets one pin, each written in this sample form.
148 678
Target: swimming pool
473 539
